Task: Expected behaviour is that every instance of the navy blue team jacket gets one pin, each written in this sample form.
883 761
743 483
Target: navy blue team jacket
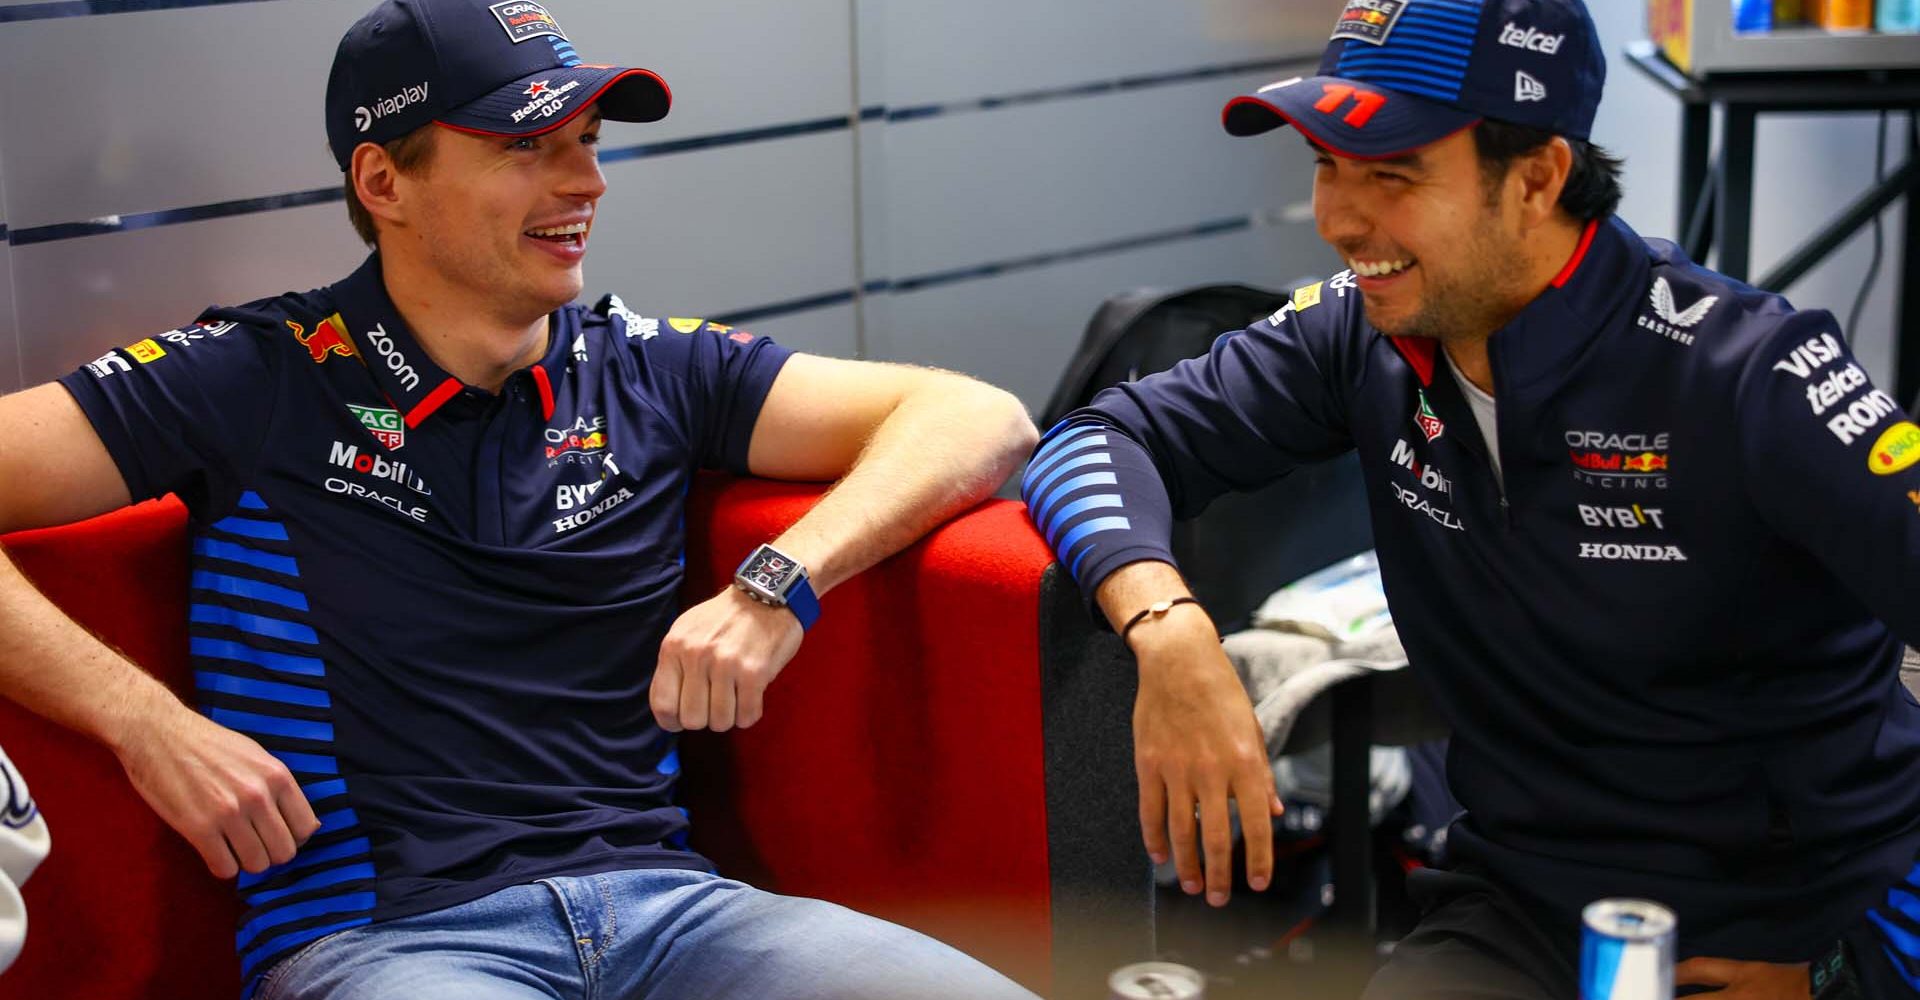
1667 647
441 608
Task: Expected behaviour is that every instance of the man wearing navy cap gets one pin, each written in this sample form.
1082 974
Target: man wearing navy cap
1651 535
437 516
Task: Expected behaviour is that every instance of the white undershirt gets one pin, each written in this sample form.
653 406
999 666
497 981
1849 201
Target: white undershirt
1485 415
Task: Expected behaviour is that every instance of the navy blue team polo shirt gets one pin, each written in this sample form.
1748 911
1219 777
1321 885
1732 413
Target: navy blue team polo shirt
1666 638
440 607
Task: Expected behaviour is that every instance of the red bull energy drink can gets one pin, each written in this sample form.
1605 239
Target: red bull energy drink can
1156 981
1626 950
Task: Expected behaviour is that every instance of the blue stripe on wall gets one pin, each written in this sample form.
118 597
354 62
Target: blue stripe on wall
87 8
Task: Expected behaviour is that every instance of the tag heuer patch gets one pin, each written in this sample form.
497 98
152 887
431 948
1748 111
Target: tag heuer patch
1428 421
1369 21
524 19
385 425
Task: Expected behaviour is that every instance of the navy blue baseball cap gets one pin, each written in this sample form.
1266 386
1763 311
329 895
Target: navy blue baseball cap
1400 74
502 68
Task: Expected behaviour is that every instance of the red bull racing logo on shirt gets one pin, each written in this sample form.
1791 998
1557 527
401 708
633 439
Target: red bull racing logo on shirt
587 436
1620 461
329 338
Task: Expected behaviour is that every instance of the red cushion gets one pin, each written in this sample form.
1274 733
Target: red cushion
898 770
122 907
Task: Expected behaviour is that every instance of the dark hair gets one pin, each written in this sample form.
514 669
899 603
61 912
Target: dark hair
1593 184
410 155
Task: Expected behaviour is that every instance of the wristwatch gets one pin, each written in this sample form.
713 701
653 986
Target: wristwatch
1831 976
770 576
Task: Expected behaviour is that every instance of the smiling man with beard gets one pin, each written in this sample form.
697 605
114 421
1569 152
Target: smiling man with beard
1645 532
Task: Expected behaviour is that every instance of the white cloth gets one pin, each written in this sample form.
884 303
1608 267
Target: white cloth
1325 628
1487 415
24 842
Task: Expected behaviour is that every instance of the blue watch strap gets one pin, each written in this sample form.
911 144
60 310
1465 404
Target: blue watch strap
803 603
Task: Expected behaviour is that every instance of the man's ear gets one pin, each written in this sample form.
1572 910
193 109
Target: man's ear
377 182
1542 174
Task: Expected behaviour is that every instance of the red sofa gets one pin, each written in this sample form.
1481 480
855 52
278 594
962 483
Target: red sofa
949 750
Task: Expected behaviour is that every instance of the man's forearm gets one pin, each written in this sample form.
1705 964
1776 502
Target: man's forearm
945 447
55 668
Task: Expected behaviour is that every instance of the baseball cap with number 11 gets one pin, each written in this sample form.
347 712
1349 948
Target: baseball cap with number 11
1400 74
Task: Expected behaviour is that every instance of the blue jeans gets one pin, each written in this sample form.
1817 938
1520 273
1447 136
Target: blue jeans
668 934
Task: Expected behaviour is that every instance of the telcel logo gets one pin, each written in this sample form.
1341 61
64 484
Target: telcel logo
1531 39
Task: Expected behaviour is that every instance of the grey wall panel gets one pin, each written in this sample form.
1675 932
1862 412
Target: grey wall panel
967 189
1018 330
211 104
10 378
726 229
826 331
941 51
732 64
175 108
77 298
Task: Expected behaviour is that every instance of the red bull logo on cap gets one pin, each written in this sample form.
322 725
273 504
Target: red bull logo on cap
524 19
328 338
1369 21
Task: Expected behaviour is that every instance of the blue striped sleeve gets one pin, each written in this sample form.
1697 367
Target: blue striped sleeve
1095 496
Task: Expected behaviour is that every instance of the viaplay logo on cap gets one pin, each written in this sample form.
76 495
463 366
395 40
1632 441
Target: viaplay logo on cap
1369 21
524 19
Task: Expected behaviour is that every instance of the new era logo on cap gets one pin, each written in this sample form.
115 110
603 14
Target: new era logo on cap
524 19
1526 88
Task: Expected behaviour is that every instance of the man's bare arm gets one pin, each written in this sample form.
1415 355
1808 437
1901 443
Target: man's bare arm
1195 740
911 447
233 801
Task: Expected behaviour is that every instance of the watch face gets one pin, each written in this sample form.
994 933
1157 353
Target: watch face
768 570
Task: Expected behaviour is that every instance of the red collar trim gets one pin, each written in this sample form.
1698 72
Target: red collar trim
433 401
541 382
1579 254
1420 353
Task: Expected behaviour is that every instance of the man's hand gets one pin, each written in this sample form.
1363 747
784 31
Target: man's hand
1744 980
235 803
1196 744
717 660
